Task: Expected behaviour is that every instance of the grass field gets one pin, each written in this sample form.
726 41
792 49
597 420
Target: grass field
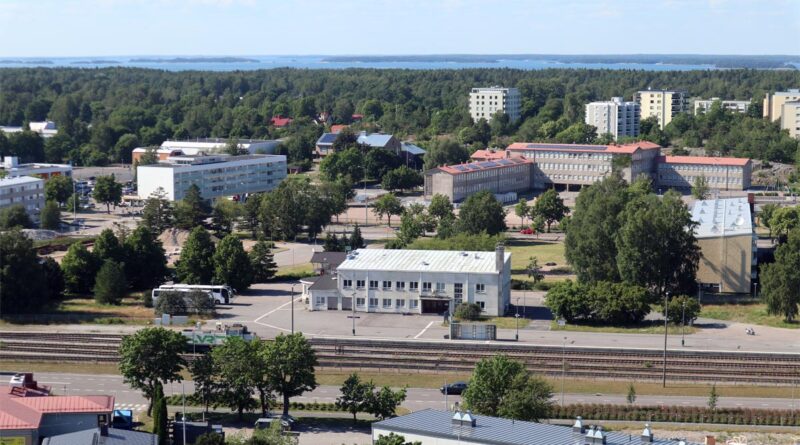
294 272
642 328
544 251
87 311
746 313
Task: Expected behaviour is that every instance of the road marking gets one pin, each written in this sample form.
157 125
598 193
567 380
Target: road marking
423 331
257 320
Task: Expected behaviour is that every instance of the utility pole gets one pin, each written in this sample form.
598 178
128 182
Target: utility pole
293 285
683 322
563 368
664 370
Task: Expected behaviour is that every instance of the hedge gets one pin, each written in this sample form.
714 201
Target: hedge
680 414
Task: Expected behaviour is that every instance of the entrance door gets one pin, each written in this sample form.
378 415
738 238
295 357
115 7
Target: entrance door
435 306
347 303
333 303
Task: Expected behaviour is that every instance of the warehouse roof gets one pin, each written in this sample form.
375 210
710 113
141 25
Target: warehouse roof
496 430
421 261
705 160
722 217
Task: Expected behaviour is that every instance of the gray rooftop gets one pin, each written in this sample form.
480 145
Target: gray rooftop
93 437
722 217
496 430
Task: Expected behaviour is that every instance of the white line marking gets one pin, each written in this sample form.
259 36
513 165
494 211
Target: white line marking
272 312
423 331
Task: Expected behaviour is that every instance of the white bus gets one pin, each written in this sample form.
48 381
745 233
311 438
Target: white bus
222 293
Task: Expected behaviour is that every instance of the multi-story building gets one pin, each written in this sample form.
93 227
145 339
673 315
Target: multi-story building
457 182
216 175
46 129
616 117
26 191
720 173
663 104
13 168
485 102
208 146
575 164
790 118
418 282
736 106
727 244
773 103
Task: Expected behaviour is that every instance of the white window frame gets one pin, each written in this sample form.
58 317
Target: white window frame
426 286
361 301
400 285
347 284
413 304
401 303
360 284
480 288
413 286
387 303
373 302
386 285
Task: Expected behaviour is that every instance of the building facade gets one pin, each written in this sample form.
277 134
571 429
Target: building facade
736 106
577 165
217 176
485 102
459 181
26 191
14 169
198 146
727 244
721 173
663 104
616 117
790 118
45 129
418 282
773 103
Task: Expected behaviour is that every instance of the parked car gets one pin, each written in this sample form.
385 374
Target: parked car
527 231
455 388
287 422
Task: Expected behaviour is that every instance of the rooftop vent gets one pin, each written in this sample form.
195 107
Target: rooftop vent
578 426
647 434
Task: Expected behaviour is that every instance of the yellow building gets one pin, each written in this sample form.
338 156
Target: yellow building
727 244
663 104
773 103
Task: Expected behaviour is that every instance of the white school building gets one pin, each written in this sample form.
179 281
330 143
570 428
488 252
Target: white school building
415 282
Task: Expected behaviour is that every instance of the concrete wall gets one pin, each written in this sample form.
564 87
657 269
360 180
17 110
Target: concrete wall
718 177
727 261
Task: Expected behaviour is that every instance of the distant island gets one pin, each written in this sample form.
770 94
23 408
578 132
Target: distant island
196 60
26 62
96 62
716 61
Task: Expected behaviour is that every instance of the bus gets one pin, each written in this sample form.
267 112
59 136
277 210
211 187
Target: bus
222 293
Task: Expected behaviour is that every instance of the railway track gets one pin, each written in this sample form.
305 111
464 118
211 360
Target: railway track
447 357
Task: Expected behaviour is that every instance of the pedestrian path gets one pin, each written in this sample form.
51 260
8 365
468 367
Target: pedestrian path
131 406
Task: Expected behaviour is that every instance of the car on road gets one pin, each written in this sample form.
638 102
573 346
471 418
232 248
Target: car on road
527 231
455 388
287 422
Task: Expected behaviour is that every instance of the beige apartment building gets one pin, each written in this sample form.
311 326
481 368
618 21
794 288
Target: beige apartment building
457 182
727 244
721 173
578 165
485 102
663 104
617 117
773 103
26 191
790 118
736 106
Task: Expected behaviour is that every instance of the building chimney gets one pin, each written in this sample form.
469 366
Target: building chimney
104 430
647 434
578 426
508 154
499 257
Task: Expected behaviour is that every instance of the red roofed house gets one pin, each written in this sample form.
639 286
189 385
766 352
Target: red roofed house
335 129
280 121
25 419
720 173
459 181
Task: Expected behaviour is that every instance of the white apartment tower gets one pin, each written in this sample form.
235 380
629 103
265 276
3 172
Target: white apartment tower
485 102
616 116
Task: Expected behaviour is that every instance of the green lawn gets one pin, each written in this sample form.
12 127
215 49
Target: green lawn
82 310
746 313
294 272
642 328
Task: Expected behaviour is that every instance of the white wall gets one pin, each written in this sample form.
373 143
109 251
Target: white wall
150 178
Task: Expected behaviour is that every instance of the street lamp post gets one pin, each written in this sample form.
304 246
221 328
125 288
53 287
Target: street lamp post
293 285
683 322
563 367
516 318
666 313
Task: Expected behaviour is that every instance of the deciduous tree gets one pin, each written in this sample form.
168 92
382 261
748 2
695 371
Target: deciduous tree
387 205
481 212
231 264
108 191
145 260
15 216
550 207
780 281
80 267
234 362
196 265
50 216
356 395
292 361
157 213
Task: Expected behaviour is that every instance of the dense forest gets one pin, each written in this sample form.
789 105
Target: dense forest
103 113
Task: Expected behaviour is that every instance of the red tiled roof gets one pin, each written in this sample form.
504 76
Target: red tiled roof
357 116
281 121
335 129
584 148
710 160
491 154
26 412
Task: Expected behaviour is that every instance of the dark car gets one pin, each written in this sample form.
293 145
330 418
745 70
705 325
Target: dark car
455 388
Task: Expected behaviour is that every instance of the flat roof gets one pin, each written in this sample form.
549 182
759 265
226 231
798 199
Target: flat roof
420 261
471 167
703 160
496 430
17 180
223 159
722 217
584 148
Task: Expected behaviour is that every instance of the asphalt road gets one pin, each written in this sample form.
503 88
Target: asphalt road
417 398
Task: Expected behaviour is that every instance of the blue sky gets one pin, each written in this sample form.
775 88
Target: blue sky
37 28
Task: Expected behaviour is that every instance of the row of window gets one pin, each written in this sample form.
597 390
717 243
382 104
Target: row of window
701 167
690 179
567 155
427 286
602 168
389 303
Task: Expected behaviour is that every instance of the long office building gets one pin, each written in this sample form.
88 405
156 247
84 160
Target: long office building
26 191
485 102
616 117
415 282
457 182
663 104
736 106
720 173
216 175
773 103
12 167
577 164
727 244
198 146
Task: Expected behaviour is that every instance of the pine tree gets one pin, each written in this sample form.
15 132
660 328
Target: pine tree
50 217
262 261
356 240
713 398
232 265
196 265
163 420
110 284
158 394
631 394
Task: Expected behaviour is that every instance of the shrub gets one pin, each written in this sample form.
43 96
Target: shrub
467 311
171 303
